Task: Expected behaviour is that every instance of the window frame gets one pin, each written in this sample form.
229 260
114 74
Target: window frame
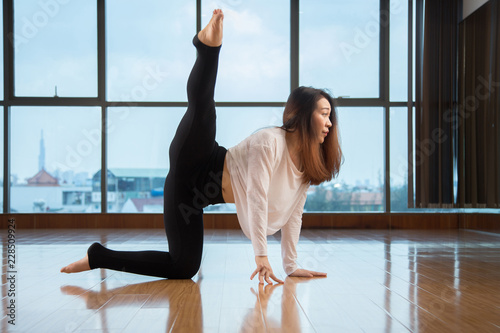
101 100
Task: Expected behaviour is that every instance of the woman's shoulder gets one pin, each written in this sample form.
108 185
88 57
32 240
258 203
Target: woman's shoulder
271 139
268 135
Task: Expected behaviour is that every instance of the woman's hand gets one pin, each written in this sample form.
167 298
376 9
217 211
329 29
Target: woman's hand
265 271
305 273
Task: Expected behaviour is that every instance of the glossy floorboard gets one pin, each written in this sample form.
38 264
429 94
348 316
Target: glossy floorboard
378 281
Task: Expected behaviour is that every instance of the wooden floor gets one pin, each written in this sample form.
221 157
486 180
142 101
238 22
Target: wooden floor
378 281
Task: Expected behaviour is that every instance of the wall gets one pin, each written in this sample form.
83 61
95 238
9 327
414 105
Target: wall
469 6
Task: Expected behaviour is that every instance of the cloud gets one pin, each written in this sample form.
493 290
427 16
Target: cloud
243 23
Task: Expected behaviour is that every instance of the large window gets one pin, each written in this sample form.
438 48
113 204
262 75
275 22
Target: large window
55 48
399 50
73 70
236 123
255 63
399 159
56 151
2 152
339 46
1 113
1 57
148 48
359 186
138 161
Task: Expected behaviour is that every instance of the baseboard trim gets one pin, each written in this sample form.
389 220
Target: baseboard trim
474 221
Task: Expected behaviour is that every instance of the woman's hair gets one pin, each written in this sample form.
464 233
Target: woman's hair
320 162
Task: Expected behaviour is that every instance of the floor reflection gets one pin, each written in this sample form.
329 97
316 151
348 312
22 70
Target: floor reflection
270 313
275 308
180 301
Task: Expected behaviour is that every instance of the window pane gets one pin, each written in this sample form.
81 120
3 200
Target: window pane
138 161
255 57
1 54
1 159
138 145
399 51
339 46
360 184
399 159
55 45
55 153
235 124
149 49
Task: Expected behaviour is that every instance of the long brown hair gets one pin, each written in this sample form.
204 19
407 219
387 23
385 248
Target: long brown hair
320 162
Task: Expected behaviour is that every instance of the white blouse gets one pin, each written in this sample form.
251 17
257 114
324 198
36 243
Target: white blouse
269 192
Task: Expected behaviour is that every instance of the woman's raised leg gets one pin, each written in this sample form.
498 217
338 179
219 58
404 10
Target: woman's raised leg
193 147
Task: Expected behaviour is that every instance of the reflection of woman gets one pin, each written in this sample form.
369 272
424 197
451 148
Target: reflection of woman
266 176
261 316
172 296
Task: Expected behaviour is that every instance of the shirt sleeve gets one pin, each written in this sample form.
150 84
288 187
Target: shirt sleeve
260 168
290 233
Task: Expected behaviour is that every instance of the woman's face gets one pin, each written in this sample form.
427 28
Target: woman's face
321 120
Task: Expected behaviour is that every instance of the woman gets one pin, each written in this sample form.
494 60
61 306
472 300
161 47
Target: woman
266 176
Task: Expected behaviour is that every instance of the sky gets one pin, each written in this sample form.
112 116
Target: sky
149 56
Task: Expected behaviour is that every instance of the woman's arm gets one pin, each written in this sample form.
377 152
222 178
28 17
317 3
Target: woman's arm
261 160
290 234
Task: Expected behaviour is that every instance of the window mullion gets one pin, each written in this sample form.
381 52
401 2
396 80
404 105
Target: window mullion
8 79
294 44
384 77
101 88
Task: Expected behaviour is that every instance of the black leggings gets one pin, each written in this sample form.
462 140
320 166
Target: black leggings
193 182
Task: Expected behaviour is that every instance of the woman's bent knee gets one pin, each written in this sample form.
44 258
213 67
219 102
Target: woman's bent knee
185 271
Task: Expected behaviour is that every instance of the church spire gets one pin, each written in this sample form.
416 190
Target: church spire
41 157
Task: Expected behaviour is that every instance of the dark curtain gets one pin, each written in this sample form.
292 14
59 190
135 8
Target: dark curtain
478 112
436 103
457 128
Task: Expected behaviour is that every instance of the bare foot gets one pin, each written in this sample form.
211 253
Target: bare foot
211 35
78 266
